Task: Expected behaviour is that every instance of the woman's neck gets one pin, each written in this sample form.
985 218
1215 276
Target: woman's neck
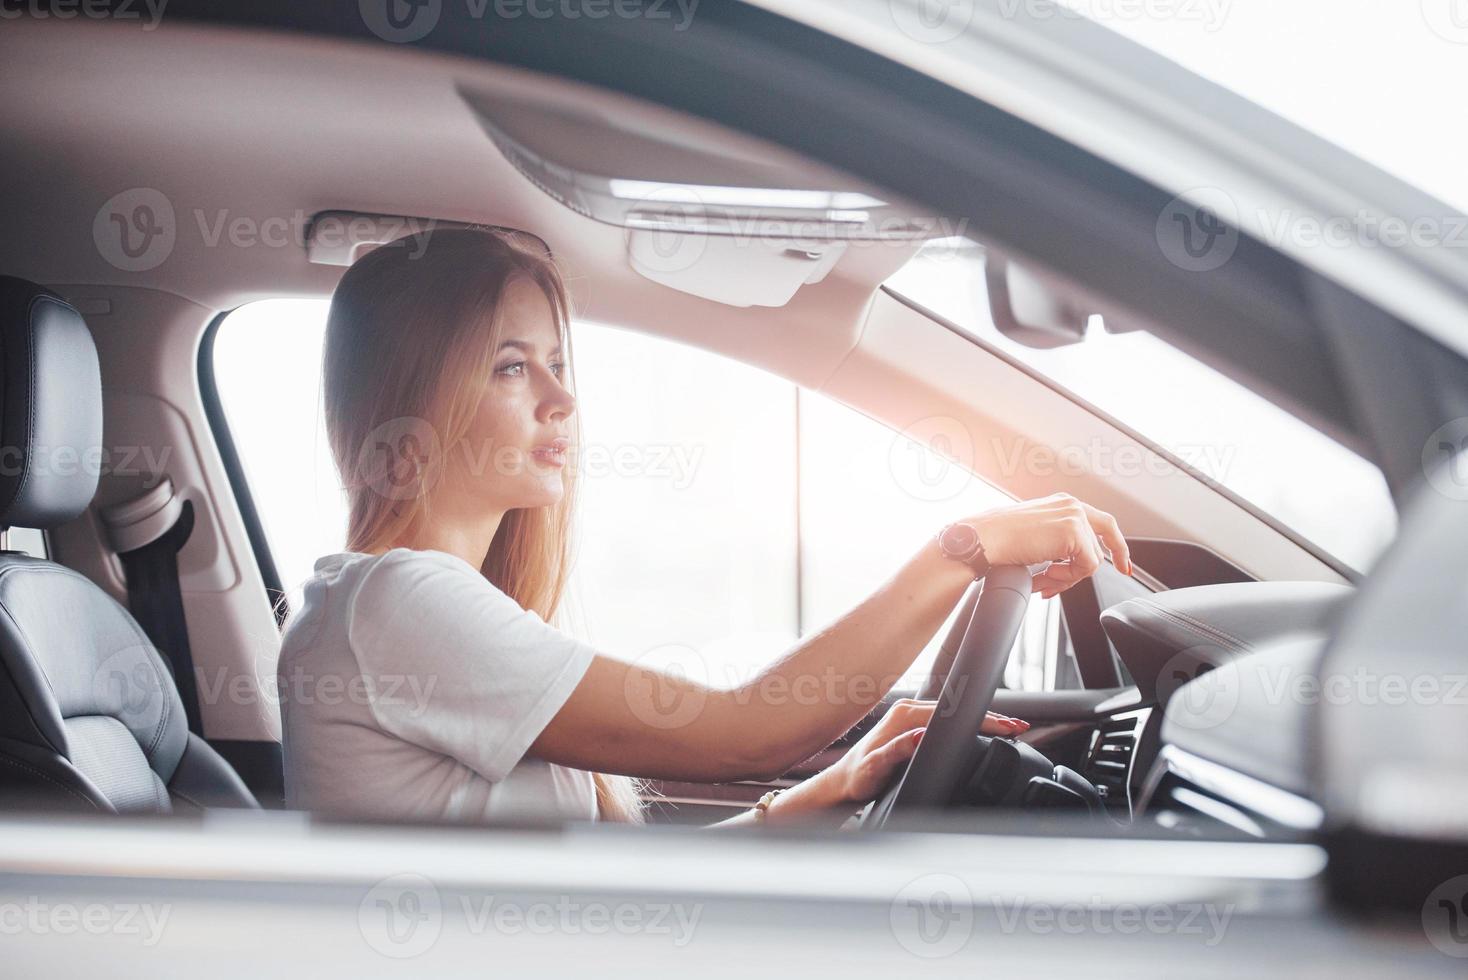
468 539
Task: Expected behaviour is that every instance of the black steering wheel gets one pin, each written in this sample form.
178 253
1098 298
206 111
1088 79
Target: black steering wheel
950 747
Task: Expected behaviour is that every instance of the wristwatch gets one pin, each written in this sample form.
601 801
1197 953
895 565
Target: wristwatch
960 542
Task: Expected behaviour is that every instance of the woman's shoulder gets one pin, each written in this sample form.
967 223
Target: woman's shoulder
357 565
350 585
406 581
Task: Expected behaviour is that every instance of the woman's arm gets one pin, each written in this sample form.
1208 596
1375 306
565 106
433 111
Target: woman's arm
863 771
624 718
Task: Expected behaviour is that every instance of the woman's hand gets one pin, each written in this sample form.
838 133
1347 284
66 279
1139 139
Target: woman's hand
1074 536
869 766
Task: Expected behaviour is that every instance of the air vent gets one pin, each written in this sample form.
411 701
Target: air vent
1109 763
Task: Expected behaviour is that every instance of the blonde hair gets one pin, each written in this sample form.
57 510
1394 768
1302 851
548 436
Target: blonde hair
412 331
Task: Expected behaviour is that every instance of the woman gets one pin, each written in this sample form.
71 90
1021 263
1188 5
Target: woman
420 677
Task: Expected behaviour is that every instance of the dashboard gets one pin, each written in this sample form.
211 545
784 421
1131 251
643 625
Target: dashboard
1226 679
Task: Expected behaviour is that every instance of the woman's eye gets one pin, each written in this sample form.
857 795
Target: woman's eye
519 368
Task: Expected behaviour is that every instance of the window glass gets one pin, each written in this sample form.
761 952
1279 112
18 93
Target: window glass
724 512
267 367
869 498
687 535
1288 469
1304 61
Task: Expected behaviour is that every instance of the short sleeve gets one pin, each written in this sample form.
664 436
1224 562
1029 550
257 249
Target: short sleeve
451 663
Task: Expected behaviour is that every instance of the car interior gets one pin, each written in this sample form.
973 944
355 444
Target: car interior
136 555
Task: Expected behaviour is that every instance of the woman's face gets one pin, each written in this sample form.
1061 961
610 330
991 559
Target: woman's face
517 448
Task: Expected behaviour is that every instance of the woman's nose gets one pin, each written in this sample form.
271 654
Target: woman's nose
558 402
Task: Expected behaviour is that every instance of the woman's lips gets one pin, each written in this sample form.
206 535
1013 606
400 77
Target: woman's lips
552 453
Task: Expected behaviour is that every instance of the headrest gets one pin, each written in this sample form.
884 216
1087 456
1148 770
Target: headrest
50 408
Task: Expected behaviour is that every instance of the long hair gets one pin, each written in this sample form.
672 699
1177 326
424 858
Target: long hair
412 332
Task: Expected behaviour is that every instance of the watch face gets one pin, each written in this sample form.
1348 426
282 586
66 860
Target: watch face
959 541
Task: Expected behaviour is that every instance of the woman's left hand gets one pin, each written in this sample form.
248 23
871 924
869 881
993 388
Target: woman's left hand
868 766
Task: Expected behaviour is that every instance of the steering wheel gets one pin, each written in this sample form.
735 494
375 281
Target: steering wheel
950 747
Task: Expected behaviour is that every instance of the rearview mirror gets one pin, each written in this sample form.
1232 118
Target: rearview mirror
1029 311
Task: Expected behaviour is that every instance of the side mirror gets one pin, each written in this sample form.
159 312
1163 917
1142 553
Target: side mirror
1029 311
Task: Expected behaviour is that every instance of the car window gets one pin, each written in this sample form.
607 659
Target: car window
1301 477
1272 54
724 511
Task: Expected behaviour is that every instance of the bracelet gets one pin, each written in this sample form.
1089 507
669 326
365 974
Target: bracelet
761 809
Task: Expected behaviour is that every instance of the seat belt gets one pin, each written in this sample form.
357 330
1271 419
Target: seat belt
148 533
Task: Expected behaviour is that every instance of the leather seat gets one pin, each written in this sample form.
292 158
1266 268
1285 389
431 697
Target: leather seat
89 715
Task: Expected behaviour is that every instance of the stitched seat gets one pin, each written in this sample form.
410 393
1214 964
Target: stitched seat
89 715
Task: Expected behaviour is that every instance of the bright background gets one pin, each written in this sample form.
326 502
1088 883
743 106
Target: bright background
1382 78
743 514
786 510
727 512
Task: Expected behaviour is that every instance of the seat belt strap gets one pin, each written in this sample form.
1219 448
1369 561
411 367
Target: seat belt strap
154 596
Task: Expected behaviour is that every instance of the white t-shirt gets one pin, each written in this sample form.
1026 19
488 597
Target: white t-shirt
411 689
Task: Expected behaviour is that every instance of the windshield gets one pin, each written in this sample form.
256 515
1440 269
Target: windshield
1289 470
1381 80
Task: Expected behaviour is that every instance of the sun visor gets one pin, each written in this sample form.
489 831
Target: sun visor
708 211
730 270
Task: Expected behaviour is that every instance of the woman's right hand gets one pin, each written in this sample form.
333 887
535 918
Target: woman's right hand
1072 535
